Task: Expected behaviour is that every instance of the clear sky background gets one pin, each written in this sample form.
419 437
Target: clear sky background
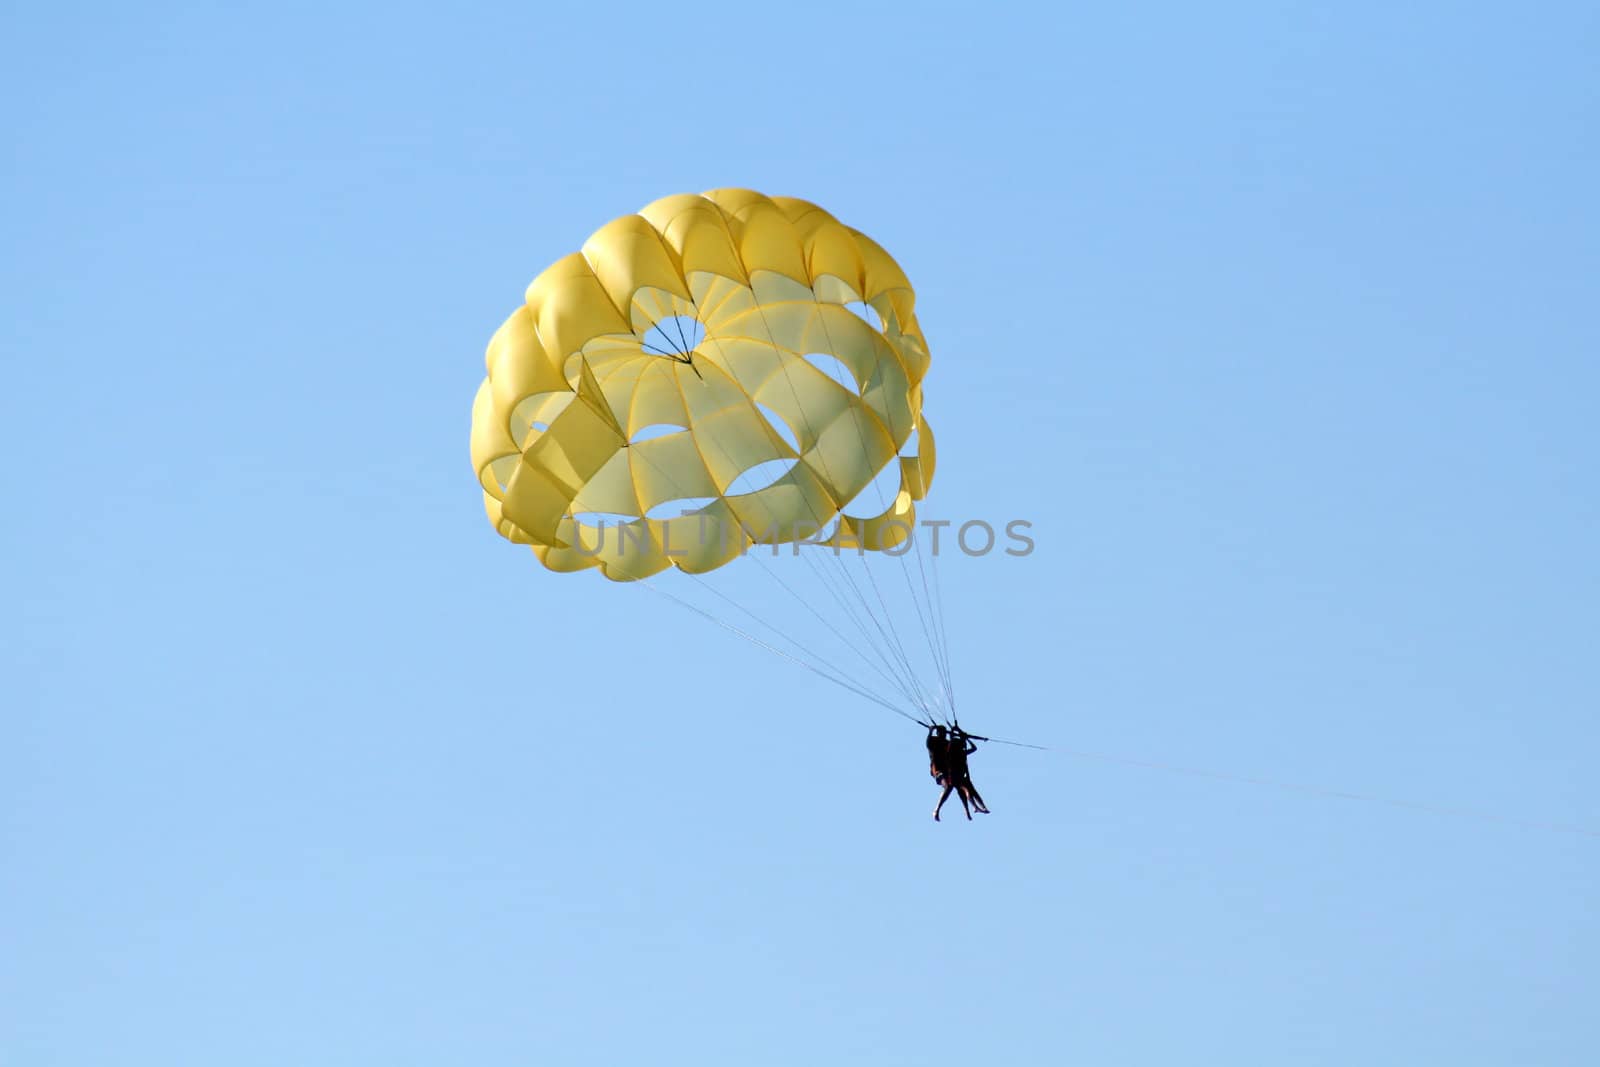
1277 321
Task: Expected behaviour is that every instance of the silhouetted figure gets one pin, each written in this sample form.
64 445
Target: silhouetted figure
948 750
962 746
938 753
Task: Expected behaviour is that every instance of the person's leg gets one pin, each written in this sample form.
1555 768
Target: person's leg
942 798
977 798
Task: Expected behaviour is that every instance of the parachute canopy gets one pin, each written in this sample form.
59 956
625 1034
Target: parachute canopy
715 371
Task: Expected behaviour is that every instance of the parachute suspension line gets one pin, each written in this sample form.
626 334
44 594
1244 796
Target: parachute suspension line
933 647
891 639
911 696
938 594
1475 815
895 681
941 637
888 619
1016 744
899 645
829 583
777 651
941 649
675 357
886 628
677 324
838 675
857 418
836 669
898 682
940 664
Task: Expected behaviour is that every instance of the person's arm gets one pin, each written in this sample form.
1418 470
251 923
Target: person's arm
972 746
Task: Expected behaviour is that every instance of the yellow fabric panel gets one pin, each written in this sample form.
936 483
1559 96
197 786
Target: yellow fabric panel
916 472
559 462
832 289
592 398
900 318
796 210
829 249
889 400
490 441
881 272
570 307
668 468
624 557
639 556
611 489
733 203
502 526
696 230
499 472
709 540
889 529
633 549
849 452
911 350
657 397
627 255
719 298
534 502
749 362
805 397
651 304
774 287
790 509
674 215
707 392
767 280
617 368
539 408
927 455
518 364
767 241
738 438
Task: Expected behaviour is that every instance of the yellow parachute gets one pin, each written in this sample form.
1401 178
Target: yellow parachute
674 356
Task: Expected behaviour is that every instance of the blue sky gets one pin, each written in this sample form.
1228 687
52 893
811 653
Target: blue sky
1277 321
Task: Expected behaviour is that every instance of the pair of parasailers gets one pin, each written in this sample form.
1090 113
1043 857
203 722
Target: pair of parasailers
948 749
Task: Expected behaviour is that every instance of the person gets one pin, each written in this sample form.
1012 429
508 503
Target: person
948 750
961 746
938 752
